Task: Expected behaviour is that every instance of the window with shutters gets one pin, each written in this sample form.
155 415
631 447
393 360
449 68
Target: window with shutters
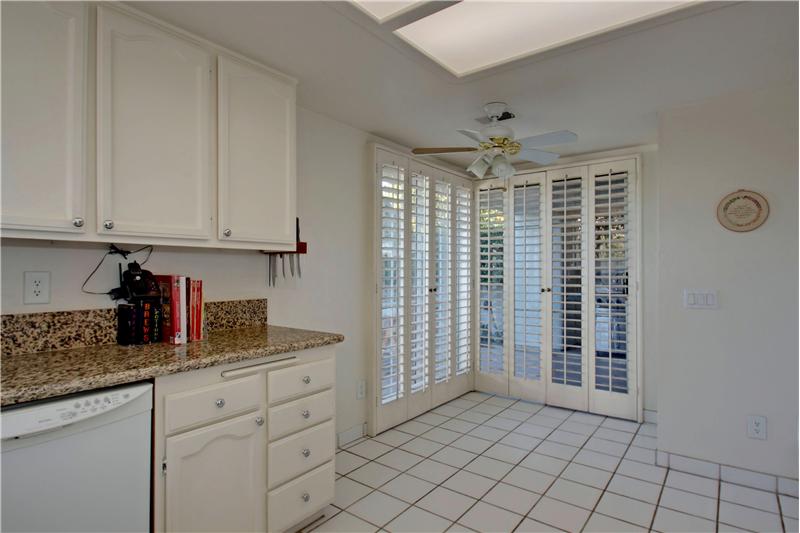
392 280
425 284
557 305
491 216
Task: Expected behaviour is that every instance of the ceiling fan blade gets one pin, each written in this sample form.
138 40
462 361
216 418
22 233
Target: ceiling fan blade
548 139
444 150
472 134
538 156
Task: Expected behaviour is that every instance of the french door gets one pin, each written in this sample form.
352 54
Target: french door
424 266
557 287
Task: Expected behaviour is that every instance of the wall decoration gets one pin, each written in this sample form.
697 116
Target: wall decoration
742 210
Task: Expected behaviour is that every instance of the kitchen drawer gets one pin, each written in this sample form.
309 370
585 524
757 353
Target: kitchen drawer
206 404
299 453
300 414
298 380
300 499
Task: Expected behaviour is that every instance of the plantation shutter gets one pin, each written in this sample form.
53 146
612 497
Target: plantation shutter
463 279
392 282
614 252
442 295
418 281
528 276
491 242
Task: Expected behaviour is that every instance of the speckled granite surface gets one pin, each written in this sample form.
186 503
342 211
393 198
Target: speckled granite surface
64 330
28 377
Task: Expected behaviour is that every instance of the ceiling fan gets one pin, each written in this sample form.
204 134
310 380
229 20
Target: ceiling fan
496 143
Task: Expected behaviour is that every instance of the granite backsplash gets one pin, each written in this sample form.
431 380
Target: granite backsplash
63 330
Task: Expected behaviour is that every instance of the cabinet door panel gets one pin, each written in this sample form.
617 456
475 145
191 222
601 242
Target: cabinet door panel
44 47
256 154
153 139
216 477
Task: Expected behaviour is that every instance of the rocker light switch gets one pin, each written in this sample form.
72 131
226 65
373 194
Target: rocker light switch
700 299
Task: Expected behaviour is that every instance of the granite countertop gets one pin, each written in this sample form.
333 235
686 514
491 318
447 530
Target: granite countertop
36 376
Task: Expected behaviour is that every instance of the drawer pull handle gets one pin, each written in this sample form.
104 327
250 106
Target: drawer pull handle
306 413
306 452
306 379
306 497
259 420
220 403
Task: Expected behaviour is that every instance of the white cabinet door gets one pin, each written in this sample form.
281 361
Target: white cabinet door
256 154
44 48
154 111
216 477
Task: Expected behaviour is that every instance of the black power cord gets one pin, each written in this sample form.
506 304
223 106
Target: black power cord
114 250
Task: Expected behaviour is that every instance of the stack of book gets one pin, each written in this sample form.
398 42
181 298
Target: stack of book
183 315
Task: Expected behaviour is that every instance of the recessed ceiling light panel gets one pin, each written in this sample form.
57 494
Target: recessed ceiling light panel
383 11
474 35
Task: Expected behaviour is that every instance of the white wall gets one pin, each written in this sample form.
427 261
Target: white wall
716 367
335 211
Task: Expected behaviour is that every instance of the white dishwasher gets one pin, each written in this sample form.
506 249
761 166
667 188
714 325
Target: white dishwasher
79 463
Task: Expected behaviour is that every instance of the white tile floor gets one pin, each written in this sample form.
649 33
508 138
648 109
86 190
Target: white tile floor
491 464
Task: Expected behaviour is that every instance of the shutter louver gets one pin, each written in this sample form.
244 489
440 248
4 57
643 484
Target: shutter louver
418 281
392 282
442 306
567 265
611 277
528 298
491 291
463 279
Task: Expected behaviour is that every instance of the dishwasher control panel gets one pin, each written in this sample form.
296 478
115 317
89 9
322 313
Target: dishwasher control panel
29 419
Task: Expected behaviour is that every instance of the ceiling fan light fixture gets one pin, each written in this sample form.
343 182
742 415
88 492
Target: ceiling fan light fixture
479 167
502 168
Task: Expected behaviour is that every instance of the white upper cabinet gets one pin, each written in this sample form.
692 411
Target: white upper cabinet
43 70
256 143
155 110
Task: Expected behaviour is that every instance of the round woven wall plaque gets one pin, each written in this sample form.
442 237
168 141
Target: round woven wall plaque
742 210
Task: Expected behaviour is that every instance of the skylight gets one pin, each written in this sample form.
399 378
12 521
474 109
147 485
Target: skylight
474 35
383 11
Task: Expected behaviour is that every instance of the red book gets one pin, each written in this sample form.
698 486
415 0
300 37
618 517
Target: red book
172 311
201 334
189 317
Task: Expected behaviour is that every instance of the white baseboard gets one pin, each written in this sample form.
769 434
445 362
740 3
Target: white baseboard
349 435
650 416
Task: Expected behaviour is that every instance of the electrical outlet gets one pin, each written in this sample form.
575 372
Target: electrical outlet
37 288
362 389
757 427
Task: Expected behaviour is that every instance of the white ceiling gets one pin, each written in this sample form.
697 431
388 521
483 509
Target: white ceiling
608 91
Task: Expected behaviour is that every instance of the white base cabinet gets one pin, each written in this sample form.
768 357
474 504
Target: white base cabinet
247 446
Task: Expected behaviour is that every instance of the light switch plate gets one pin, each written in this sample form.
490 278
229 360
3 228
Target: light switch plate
700 299
37 288
757 427
362 389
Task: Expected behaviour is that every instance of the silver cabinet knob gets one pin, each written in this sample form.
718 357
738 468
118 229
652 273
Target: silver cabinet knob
306 379
220 403
77 222
306 452
227 232
306 413
259 420
306 497
108 224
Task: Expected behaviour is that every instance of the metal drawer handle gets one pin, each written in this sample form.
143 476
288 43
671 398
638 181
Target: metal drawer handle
306 413
306 497
259 420
220 403
77 222
306 379
306 452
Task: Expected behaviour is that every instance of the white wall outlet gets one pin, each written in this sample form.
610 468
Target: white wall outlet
37 288
700 299
757 427
362 389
